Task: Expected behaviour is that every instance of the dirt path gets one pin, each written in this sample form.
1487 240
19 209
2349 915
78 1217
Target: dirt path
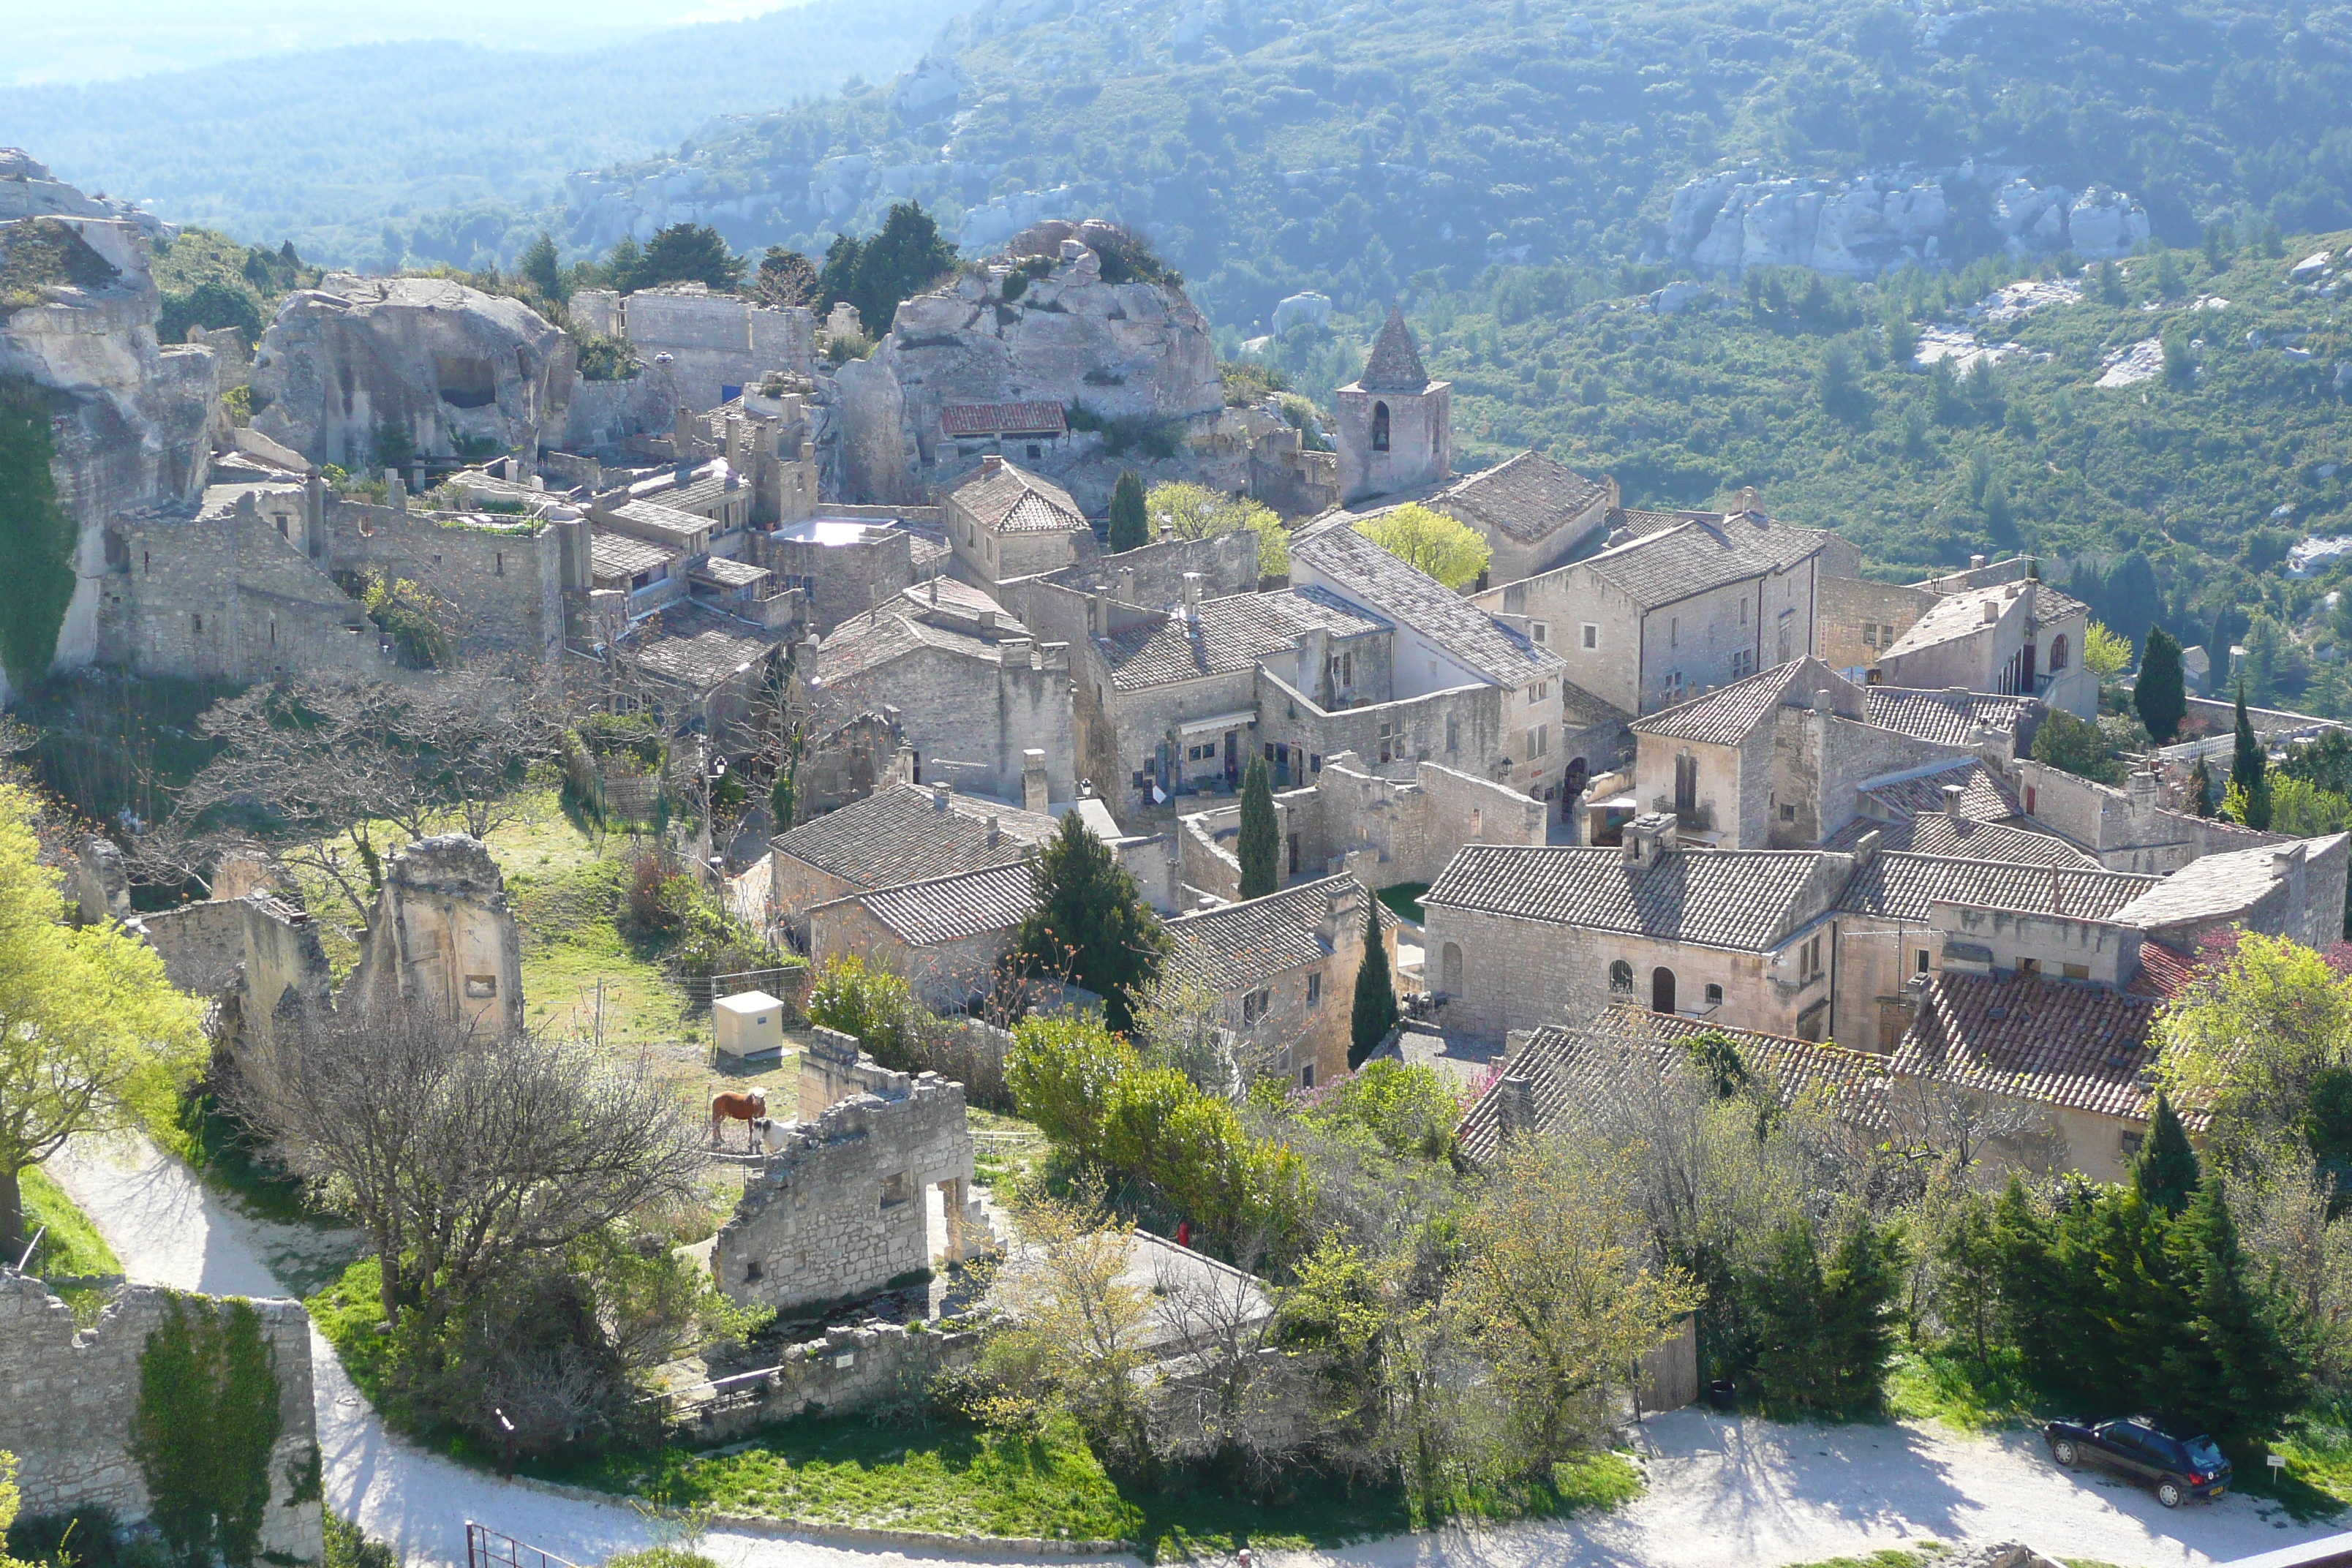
1725 1492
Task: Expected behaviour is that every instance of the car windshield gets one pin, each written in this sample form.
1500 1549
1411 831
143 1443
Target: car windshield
2203 1454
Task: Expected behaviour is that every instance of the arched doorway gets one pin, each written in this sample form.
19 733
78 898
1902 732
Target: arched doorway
1379 427
1449 970
1661 990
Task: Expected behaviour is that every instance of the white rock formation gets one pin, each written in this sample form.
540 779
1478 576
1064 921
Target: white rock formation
431 360
1309 310
1879 221
27 189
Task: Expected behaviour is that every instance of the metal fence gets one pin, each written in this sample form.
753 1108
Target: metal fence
487 1548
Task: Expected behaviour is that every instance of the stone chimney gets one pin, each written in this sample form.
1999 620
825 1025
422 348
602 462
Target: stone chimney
395 494
1952 793
1991 611
1126 585
1976 563
1032 781
1649 838
987 620
1332 925
1515 1105
1191 593
942 794
992 463
1098 614
1865 849
2142 785
994 832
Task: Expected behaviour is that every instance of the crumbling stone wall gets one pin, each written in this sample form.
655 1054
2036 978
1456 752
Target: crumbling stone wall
67 1399
853 1366
442 933
838 1210
260 955
502 589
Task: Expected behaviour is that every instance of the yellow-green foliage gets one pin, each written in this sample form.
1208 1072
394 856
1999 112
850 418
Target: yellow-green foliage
1196 511
2252 1041
1448 550
1089 1091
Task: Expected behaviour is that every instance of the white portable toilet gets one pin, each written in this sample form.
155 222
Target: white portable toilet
748 1024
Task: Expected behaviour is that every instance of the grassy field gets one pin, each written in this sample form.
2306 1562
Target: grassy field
69 1245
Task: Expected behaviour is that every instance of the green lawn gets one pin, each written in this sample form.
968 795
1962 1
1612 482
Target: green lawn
71 1244
1404 899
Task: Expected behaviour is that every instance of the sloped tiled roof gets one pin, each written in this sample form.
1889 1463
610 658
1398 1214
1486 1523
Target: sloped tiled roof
684 527
618 555
1011 501
731 573
1985 796
1002 418
1369 576
1571 1071
1942 717
1900 886
1700 554
951 908
1227 635
1744 899
2164 973
1238 947
1528 497
2079 1046
1728 716
900 835
2051 606
696 647
1962 838
866 642
1394 365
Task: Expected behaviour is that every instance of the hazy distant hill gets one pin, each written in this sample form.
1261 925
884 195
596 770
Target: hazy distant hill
346 151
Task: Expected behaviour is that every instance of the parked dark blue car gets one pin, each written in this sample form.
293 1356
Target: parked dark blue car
2177 1461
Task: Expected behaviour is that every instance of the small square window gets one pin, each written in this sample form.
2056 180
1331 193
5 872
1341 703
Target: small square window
1591 636
1714 994
1540 632
480 987
1315 989
1919 964
896 1189
2075 970
1788 814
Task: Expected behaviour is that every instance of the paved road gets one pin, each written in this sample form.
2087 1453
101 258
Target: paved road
1725 1492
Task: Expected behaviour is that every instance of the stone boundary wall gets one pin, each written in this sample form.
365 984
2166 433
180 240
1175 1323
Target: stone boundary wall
67 1399
852 1367
503 589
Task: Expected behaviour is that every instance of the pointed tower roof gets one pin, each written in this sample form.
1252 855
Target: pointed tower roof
1396 363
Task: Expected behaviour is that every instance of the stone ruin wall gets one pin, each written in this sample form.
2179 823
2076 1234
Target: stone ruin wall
839 1210
444 933
68 1398
853 1366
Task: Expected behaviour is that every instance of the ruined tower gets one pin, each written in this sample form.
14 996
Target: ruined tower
444 935
1396 426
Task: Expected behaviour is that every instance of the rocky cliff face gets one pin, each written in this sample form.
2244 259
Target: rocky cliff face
1880 221
135 418
27 189
1130 356
361 369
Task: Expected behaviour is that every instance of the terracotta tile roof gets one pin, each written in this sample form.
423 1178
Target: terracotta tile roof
1528 497
1003 419
1011 501
1366 574
1744 899
1964 838
1942 717
1699 554
1900 886
901 835
1394 365
951 908
2079 1046
1227 635
2165 971
1572 1072
1239 947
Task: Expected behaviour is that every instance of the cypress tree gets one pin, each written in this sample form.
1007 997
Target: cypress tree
1260 838
2250 767
2161 696
1091 923
1128 527
1375 1012
2200 789
2238 1371
2166 1174
1858 1292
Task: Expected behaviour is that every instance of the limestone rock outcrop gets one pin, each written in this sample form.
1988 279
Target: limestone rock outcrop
1038 330
1881 220
358 368
138 417
27 189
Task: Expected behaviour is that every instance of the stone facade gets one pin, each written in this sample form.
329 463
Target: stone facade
443 934
2126 829
1855 619
854 1365
261 955
67 1398
717 344
837 1207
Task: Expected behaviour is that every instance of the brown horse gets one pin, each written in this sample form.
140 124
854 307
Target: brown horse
729 1106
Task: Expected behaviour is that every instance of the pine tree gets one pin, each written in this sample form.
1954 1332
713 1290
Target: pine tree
2166 1174
1375 1012
2250 767
2034 1307
2161 695
905 256
1129 526
2238 1370
1090 923
540 267
1858 1292
1260 838
838 280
